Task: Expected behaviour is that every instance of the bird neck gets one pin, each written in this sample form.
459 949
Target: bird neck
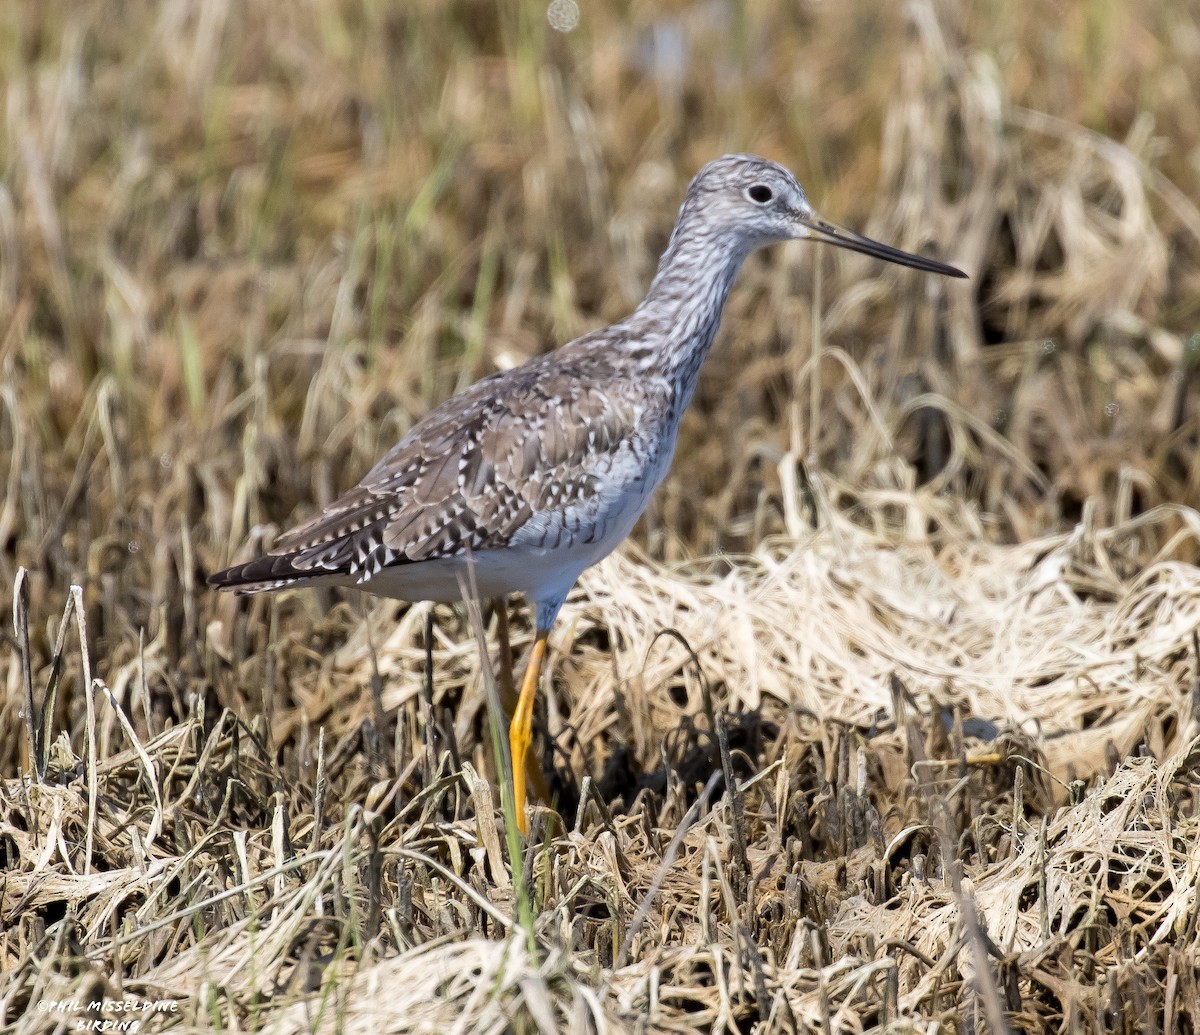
676 323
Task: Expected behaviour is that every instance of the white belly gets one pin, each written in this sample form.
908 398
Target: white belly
531 570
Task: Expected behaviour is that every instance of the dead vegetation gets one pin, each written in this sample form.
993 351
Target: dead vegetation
887 720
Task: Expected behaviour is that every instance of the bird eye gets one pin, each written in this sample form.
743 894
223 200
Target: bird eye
760 193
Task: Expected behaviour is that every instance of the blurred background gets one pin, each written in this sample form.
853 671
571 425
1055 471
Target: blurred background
924 567
244 246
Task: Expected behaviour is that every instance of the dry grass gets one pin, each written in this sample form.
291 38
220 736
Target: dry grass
888 718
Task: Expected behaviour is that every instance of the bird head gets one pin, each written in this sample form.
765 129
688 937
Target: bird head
761 202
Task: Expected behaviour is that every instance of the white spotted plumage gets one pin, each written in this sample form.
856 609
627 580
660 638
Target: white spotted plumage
533 474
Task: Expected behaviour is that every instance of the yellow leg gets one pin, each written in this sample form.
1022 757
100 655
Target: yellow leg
520 732
508 698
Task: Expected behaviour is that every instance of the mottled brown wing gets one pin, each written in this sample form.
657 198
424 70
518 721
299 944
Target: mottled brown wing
469 475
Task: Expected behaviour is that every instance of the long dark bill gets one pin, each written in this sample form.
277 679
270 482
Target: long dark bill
823 230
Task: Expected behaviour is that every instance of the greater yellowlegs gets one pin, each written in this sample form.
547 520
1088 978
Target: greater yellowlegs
533 474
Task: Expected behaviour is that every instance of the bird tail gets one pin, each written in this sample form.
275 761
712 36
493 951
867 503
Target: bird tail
261 575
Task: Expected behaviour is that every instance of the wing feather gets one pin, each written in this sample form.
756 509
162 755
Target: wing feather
474 471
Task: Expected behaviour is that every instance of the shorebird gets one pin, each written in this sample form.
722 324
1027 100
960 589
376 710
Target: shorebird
533 474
